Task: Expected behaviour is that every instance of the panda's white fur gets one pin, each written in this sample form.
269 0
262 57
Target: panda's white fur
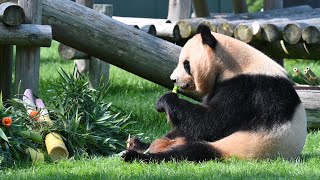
229 59
285 141
249 110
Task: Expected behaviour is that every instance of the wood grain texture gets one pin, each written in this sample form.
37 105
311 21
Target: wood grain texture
11 14
6 60
83 64
28 57
111 41
179 9
26 35
99 70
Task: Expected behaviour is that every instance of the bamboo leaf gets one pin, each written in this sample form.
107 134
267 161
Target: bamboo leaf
3 135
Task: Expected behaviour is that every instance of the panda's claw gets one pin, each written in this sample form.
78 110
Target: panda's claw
131 155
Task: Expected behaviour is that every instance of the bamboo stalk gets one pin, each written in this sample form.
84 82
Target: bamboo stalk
301 75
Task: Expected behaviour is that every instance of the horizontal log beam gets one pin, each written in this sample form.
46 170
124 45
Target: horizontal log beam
26 35
69 53
111 41
282 49
11 14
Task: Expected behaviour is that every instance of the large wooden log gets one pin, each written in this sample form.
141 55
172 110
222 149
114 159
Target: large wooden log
111 41
26 35
270 30
28 57
282 49
11 14
6 60
149 25
228 27
292 32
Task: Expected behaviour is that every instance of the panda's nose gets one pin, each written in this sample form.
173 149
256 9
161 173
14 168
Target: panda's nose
174 80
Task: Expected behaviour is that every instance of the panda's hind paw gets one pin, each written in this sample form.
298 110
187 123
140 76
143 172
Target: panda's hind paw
131 155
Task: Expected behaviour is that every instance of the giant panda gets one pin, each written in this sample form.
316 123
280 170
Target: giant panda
249 110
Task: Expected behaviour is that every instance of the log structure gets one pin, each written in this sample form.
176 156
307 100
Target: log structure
6 60
26 35
11 14
28 57
82 65
290 32
114 42
99 70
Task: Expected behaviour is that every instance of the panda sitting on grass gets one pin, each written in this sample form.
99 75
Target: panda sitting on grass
249 110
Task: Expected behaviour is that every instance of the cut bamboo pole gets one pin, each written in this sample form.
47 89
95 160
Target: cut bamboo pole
11 14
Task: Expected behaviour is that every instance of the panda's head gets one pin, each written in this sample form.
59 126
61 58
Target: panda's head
196 67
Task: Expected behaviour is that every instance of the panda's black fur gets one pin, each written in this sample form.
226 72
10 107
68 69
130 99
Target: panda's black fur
242 103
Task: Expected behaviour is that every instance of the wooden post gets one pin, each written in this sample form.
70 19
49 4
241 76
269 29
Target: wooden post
83 64
6 59
99 70
179 9
11 14
270 5
114 42
200 8
239 6
28 58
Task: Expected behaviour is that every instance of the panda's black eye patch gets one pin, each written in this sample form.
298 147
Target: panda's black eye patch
186 65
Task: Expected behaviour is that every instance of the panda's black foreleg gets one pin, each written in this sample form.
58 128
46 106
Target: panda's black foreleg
192 151
194 121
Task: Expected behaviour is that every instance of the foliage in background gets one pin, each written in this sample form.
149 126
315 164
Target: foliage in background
80 114
254 5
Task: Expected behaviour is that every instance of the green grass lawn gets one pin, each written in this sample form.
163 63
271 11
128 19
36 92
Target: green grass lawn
137 96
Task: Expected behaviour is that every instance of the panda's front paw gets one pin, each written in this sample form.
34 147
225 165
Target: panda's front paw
165 100
131 155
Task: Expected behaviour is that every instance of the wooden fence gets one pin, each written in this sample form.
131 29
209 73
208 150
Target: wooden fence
96 35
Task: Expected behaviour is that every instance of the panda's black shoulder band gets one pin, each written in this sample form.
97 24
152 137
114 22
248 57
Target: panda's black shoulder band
207 37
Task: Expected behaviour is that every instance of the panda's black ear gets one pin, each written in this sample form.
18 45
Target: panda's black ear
207 37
